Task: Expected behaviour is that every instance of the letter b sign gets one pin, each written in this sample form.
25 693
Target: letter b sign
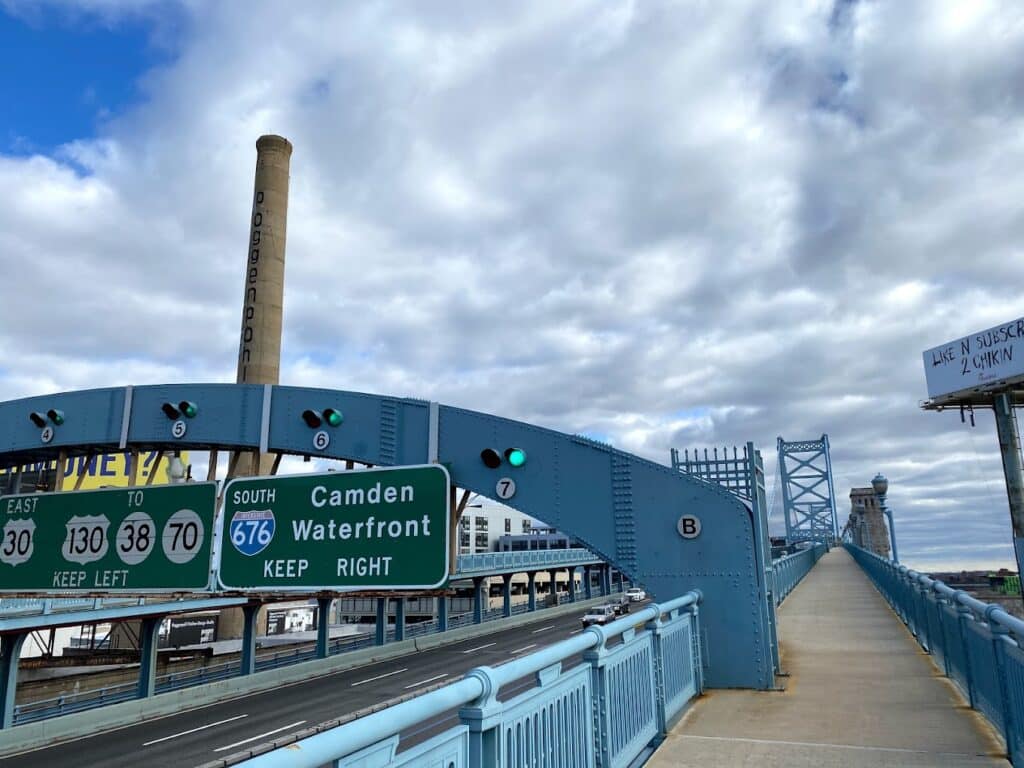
688 526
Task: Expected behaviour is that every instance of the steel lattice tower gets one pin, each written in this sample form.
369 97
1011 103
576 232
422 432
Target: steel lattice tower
808 496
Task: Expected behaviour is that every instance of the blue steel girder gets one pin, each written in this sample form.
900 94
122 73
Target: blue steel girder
622 507
808 495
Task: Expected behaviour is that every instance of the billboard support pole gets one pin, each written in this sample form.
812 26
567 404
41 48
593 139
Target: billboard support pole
1009 447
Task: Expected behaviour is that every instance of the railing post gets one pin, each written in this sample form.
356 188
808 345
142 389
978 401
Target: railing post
698 650
941 603
1000 639
380 630
442 613
656 628
248 659
323 626
531 600
399 619
478 599
506 594
483 718
963 615
149 632
10 650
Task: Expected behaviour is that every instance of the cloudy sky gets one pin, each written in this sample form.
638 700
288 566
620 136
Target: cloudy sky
662 224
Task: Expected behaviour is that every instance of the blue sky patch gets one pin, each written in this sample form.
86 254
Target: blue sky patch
64 76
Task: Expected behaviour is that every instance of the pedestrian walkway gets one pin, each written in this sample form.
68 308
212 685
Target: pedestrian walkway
861 692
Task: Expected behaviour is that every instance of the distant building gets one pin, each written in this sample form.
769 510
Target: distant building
867 523
484 523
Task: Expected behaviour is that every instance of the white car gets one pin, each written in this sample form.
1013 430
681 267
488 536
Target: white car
635 594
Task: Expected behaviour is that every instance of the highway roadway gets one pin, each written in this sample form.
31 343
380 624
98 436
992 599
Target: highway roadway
214 732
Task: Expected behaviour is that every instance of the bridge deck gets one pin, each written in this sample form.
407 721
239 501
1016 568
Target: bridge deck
861 693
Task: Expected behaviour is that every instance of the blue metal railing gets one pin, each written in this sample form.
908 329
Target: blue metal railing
791 569
978 645
607 710
32 606
487 563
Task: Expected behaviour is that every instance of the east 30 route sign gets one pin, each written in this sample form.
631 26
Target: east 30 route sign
140 539
368 529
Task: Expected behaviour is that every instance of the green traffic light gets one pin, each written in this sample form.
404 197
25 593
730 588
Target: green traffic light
333 417
57 417
516 456
188 409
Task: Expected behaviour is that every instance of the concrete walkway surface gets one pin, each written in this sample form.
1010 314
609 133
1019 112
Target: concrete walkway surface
861 692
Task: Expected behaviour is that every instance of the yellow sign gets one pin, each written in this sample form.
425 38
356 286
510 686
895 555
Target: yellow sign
106 469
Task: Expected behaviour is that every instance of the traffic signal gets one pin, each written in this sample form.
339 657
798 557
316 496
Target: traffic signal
331 416
516 457
185 408
56 418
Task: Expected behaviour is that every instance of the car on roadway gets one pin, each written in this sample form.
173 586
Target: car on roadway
635 594
620 603
599 614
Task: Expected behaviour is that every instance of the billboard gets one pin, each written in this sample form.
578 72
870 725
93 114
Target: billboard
105 469
987 359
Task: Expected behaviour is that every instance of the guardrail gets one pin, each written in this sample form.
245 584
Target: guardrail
33 606
978 645
605 711
791 569
494 562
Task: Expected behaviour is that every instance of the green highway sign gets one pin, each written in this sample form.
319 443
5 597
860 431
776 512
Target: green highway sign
140 539
367 529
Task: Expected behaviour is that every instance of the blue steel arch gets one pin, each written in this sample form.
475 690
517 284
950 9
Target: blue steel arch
622 506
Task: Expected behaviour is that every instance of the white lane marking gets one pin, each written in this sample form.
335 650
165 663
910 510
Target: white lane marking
575 631
260 736
479 648
542 629
380 677
428 680
525 648
194 730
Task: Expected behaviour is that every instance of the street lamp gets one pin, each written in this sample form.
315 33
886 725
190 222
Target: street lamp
881 487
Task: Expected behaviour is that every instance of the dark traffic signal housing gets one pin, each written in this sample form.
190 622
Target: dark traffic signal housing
330 416
185 408
56 418
516 457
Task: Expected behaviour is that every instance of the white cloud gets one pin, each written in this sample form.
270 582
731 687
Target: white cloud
665 223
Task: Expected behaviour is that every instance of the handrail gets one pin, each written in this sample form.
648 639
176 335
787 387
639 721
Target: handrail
978 645
791 569
486 720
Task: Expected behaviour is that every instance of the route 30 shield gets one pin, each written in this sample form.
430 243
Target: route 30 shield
18 541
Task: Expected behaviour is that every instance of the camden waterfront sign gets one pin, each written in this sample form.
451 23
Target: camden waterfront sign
370 529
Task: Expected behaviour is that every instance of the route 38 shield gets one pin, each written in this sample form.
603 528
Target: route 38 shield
252 530
18 543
